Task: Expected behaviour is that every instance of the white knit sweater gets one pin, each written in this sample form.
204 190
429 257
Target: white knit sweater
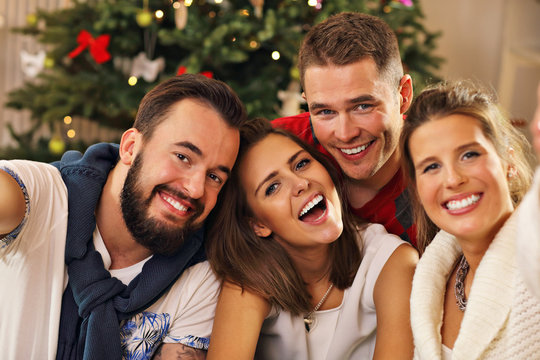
502 319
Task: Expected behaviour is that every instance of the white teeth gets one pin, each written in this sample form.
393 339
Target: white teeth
175 203
355 150
311 204
460 204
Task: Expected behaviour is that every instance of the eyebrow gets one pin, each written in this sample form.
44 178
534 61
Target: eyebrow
190 146
460 148
356 100
274 173
195 149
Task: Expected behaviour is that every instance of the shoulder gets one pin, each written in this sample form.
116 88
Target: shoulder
298 125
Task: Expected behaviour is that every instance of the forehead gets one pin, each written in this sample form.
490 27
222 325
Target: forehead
268 155
360 76
194 121
447 133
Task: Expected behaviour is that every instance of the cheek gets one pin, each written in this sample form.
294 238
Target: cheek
426 189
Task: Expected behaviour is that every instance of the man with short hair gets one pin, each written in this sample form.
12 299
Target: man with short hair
127 219
356 92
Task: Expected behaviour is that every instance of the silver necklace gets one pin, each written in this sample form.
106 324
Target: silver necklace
459 287
308 318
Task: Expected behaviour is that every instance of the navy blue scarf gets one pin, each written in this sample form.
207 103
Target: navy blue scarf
94 303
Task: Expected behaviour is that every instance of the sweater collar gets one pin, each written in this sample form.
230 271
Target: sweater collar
488 304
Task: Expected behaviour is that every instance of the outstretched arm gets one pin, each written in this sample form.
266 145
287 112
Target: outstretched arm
238 322
12 204
391 295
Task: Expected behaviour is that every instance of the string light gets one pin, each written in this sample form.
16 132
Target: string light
312 2
244 12
276 55
218 1
71 133
188 2
132 80
159 14
253 44
176 5
67 120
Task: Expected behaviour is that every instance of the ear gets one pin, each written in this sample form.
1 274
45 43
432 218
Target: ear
260 229
129 145
304 95
406 93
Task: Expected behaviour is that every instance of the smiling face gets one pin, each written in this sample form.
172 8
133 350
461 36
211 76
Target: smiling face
356 115
290 194
460 178
176 175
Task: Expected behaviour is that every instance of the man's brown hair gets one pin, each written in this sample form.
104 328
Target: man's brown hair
349 37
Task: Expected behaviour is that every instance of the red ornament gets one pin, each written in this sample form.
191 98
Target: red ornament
97 46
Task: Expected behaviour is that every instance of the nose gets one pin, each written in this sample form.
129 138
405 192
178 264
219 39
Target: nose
454 177
300 184
345 130
194 184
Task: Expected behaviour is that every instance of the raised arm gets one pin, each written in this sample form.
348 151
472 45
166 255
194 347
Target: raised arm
12 204
238 322
391 295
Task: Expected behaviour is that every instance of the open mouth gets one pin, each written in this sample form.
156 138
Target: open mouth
174 203
463 203
313 210
358 149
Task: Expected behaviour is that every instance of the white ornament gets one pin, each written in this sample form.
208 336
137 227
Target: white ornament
32 64
146 68
180 15
291 99
258 7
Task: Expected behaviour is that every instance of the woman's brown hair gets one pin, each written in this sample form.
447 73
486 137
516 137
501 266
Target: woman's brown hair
465 98
262 265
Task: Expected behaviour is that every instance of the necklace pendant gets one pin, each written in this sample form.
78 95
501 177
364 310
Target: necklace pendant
308 321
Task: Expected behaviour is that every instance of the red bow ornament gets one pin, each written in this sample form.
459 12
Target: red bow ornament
97 46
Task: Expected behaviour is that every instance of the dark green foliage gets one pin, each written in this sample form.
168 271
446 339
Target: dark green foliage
226 39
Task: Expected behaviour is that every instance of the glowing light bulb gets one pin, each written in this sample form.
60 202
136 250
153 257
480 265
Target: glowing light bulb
159 14
71 133
132 80
276 55
67 120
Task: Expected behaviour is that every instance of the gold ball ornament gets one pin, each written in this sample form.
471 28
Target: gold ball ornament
49 62
57 145
31 19
144 18
294 73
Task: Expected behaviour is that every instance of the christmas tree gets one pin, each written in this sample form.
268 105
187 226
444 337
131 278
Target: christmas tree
104 55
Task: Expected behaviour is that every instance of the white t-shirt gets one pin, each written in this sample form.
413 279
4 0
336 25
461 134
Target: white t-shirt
33 273
347 332
32 270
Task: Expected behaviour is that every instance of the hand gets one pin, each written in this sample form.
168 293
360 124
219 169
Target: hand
535 126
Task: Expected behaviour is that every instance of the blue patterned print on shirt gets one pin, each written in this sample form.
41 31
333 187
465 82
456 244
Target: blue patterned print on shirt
142 334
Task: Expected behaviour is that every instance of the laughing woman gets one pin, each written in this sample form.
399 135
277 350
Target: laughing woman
302 281
467 164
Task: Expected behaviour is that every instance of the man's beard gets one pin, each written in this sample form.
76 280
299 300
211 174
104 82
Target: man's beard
151 233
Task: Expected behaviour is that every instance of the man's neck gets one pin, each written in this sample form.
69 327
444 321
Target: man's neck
360 192
123 249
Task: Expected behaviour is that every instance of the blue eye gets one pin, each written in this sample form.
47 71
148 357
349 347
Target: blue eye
302 163
271 189
364 107
431 167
